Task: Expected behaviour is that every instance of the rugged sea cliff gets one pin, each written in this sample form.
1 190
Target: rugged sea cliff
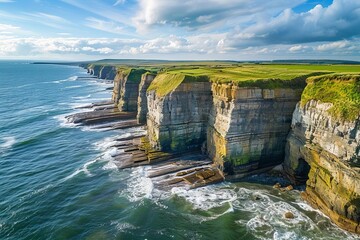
249 119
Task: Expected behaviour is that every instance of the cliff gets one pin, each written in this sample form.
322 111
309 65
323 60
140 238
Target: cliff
248 118
323 147
142 109
107 72
178 107
126 89
248 127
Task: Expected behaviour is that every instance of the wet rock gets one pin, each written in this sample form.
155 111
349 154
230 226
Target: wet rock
289 215
277 186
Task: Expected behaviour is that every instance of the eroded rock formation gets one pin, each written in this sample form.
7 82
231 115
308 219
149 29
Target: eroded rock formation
244 130
178 120
326 150
142 109
126 89
248 126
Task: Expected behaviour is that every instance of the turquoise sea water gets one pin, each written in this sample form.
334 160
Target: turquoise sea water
58 181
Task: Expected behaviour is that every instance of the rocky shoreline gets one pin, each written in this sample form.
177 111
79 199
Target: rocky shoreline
202 132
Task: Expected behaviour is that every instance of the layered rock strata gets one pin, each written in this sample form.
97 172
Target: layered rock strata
325 151
177 121
126 89
142 109
95 70
107 72
248 127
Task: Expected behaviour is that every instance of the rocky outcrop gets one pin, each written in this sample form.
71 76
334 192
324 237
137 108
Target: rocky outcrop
107 72
325 150
118 81
142 109
126 89
248 126
177 121
95 69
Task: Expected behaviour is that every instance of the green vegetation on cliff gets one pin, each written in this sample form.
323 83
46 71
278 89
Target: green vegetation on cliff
342 90
164 83
266 76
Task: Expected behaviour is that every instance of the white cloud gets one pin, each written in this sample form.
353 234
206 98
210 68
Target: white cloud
297 48
8 27
202 46
119 2
48 19
194 14
341 20
105 26
101 9
333 45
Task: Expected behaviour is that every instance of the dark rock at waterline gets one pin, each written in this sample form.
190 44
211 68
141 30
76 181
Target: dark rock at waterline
100 116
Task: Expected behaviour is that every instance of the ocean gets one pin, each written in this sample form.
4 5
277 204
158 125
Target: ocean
58 180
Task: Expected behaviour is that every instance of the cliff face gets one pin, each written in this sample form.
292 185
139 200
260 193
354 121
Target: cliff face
126 89
248 126
142 109
118 80
101 71
95 70
107 72
327 151
178 120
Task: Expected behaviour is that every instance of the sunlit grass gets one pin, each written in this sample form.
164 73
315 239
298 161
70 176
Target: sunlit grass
343 91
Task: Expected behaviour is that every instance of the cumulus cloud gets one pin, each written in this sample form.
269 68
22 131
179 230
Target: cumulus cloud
298 48
333 45
40 46
194 14
8 27
340 20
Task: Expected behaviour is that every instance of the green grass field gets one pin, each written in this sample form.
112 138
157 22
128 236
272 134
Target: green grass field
342 90
245 75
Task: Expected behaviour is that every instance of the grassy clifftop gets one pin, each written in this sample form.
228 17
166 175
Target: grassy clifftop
164 83
342 90
267 76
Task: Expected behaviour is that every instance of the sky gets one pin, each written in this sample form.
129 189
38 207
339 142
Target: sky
180 29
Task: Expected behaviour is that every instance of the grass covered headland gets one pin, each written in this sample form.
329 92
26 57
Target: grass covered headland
342 90
267 76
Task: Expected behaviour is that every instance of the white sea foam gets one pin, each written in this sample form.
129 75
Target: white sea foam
138 185
64 122
79 106
73 78
82 97
94 129
123 226
83 169
7 142
75 86
206 198
105 143
92 99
